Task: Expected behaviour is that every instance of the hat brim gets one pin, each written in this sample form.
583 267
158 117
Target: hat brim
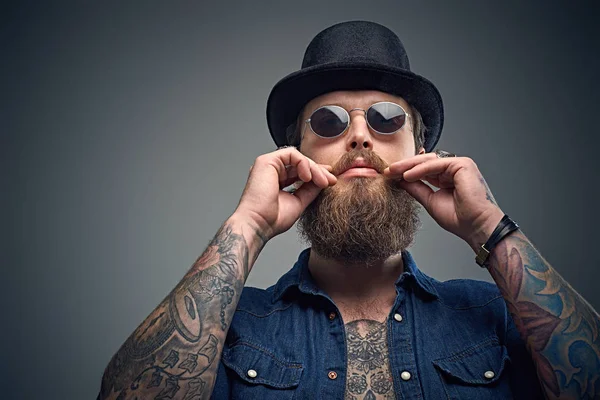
294 91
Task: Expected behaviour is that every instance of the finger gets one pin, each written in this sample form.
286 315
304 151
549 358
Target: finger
318 175
288 182
329 174
433 167
432 179
307 193
419 190
290 176
321 174
304 165
304 170
290 173
332 179
403 165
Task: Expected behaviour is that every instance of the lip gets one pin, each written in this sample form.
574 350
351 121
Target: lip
359 167
359 171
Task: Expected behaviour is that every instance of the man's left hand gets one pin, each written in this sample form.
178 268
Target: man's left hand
463 205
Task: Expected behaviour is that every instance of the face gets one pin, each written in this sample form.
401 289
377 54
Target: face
365 217
390 148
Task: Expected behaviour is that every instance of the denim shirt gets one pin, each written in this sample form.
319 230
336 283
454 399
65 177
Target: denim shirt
456 340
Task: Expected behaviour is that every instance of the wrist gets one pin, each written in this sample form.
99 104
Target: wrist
253 233
504 228
484 230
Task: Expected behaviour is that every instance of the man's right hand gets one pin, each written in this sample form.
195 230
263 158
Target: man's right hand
263 201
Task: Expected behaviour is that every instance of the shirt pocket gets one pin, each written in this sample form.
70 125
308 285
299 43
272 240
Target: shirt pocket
258 373
478 372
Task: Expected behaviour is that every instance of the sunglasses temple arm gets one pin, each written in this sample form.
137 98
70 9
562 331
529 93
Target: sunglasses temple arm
306 122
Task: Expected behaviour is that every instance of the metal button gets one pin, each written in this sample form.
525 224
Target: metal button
251 373
405 375
332 316
398 317
489 374
332 375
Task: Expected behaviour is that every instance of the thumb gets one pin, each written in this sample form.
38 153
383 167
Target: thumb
307 193
419 190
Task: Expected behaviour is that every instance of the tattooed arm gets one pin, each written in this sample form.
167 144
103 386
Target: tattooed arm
174 353
560 329
558 326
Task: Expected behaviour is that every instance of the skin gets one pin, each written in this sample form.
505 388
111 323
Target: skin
561 330
558 326
174 353
353 287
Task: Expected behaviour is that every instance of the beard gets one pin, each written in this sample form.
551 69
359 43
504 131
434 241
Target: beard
361 220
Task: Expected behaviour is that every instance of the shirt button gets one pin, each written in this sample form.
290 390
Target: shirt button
489 374
251 373
332 316
398 317
332 375
405 375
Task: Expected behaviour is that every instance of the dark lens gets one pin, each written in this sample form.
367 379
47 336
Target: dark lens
329 121
386 117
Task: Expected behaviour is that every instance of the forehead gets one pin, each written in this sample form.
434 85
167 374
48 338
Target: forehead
350 99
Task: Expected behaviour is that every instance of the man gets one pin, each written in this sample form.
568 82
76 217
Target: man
355 318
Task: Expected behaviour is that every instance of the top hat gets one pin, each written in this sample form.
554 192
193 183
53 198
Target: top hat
355 55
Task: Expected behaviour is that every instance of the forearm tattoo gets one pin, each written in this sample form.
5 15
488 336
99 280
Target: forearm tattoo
559 327
369 374
488 193
175 351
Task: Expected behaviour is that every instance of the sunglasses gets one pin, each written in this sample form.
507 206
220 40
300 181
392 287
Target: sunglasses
384 118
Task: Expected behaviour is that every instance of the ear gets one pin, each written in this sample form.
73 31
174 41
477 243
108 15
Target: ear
421 151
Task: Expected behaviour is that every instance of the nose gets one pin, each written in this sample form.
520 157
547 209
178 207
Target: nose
359 136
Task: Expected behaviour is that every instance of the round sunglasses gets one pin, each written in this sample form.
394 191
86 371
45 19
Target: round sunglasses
385 118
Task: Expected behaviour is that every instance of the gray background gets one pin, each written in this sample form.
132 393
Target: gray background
128 132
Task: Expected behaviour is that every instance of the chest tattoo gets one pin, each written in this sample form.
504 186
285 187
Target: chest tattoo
369 374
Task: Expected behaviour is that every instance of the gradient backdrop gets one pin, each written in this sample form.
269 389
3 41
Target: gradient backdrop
127 132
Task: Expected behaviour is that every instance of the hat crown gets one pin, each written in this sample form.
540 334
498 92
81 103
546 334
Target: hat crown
355 55
356 41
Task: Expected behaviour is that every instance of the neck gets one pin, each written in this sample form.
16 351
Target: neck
357 283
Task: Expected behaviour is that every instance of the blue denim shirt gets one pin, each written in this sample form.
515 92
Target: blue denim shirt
450 334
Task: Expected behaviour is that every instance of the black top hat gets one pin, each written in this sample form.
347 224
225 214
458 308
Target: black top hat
353 56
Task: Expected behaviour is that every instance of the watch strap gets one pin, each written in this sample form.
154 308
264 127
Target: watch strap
504 227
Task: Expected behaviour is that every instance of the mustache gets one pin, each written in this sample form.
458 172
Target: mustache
369 156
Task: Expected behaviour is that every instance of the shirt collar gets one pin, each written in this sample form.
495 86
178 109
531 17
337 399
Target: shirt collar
423 283
299 276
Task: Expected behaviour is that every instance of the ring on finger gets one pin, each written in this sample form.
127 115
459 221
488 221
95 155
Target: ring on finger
444 154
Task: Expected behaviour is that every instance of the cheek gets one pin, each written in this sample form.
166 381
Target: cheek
324 153
392 155
402 149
